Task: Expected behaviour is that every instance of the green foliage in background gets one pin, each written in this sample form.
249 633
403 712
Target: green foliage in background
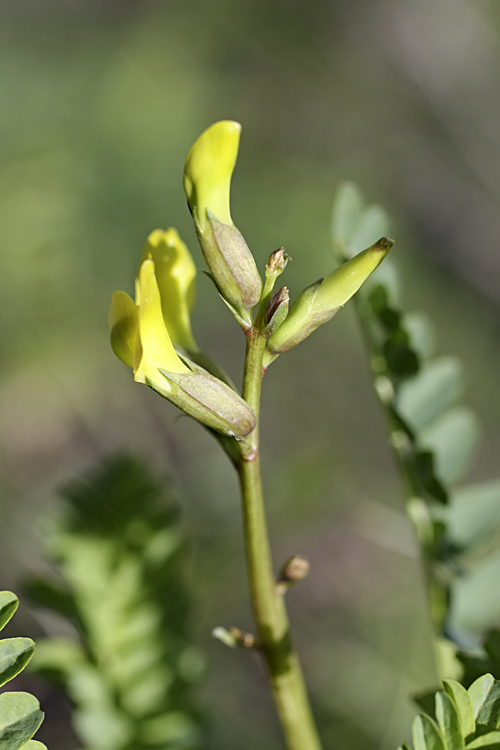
462 719
118 550
434 438
20 714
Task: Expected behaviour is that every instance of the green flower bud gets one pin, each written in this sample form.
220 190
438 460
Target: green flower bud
319 302
207 181
276 311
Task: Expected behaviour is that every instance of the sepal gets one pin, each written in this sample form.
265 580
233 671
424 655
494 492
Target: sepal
205 398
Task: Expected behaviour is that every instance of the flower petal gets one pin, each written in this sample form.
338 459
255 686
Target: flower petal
124 324
175 273
208 171
157 348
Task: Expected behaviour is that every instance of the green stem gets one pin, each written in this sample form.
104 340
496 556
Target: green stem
268 604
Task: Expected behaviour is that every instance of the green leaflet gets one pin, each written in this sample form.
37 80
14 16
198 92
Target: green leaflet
485 698
490 740
8 605
448 721
119 547
20 717
15 653
426 735
463 705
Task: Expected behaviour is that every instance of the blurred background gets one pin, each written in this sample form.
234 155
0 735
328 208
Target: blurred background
100 102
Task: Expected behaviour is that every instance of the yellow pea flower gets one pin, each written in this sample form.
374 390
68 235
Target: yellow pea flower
207 182
141 339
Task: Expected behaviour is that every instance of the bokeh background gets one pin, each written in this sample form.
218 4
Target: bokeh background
100 101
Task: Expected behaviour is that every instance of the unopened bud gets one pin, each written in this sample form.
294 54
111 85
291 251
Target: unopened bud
277 262
276 311
294 570
234 637
242 639
319 302
207 181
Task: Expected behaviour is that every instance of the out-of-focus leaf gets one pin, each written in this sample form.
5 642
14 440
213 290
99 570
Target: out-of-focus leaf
347 209
485 698
452 438
421 333
426 735
374 224
33 745
8 605
434 389
462 702
104 727
20 717
474 513
15 653
474 607
448 722
48 594
118 547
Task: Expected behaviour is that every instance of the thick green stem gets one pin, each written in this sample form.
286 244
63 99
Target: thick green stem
268 604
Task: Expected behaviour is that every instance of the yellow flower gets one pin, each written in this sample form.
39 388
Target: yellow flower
207 182
140 337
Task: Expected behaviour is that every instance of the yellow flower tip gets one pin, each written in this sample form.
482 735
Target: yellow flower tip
124 323
208 171
157 348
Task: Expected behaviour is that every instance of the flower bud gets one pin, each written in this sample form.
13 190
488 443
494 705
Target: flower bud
175 273
276 311
277 263
207 181
319 302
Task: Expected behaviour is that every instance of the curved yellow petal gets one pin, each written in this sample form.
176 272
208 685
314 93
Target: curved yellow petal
124 323
157 348
208 171
175 274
